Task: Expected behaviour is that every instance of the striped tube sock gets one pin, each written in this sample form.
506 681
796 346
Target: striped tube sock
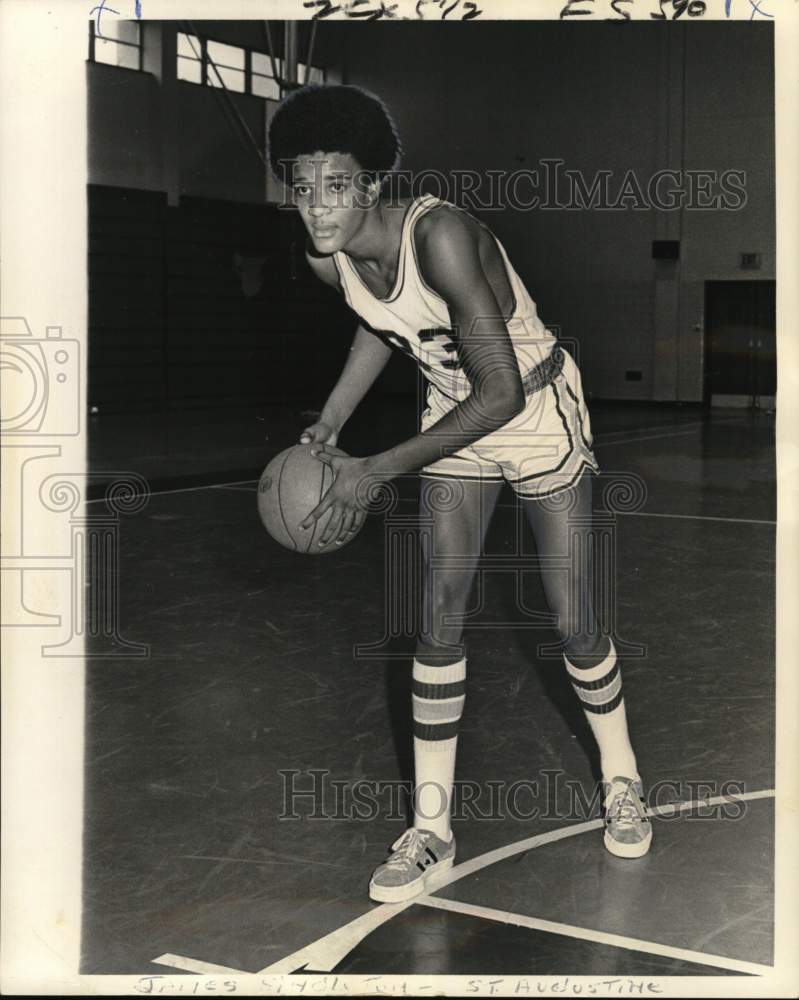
438 697
599 691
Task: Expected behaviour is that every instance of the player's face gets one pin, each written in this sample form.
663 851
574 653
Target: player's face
332 194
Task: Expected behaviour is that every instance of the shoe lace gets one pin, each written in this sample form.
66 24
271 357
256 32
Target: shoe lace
625 807
407 849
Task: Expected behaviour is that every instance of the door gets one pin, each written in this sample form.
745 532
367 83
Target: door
740 339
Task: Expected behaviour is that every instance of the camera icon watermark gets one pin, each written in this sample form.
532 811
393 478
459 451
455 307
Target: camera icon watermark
40 380
60 560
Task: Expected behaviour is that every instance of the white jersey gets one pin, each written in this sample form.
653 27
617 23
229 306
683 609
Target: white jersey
416 319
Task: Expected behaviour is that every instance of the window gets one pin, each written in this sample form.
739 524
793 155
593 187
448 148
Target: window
246 71
225 66
118 45
263 82
190 58
316 75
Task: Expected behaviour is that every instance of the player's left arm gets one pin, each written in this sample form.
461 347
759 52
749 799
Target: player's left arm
449 262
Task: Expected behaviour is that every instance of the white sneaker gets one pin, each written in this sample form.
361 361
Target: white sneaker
628 832
416 859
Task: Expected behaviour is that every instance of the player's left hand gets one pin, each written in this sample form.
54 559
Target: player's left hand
346 497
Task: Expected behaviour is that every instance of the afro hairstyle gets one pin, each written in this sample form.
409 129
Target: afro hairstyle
334 119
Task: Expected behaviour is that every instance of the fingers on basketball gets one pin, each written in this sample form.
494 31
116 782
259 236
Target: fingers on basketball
294 497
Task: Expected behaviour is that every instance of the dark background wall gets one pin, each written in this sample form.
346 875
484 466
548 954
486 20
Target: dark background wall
488 96
205 302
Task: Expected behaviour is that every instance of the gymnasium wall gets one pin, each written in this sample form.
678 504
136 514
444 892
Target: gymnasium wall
496 96
150 131
600 96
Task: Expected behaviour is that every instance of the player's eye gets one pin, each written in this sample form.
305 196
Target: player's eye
338 187
302 190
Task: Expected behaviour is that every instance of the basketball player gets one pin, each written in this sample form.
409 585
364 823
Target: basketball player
504 404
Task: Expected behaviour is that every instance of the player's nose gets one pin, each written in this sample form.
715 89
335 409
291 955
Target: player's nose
317 209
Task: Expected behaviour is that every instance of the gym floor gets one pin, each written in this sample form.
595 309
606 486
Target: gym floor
249 672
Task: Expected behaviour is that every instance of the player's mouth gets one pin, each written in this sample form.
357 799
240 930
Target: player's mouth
323 232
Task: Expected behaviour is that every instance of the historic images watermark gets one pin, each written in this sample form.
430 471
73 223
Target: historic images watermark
549 185
315 794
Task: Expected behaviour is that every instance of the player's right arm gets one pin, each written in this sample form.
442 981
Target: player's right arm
367 358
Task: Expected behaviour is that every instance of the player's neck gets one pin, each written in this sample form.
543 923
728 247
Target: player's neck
376 243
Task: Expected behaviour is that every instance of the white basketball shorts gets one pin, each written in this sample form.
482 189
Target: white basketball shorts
541 451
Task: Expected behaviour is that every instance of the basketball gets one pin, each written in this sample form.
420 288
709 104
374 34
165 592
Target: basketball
290 487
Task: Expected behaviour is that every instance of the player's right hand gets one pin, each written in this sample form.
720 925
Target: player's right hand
319 433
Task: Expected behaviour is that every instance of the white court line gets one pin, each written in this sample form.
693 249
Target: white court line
182 489
600 937
601 443
634 513
693 517
239 484
238 489
687 425
600 440
217 486
680 517
201 968
325 954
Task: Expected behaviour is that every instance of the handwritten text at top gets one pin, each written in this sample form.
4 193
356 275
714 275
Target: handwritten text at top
374 10
662 10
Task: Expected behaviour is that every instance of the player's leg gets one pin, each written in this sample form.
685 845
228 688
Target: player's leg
459 512
590 658
557 523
